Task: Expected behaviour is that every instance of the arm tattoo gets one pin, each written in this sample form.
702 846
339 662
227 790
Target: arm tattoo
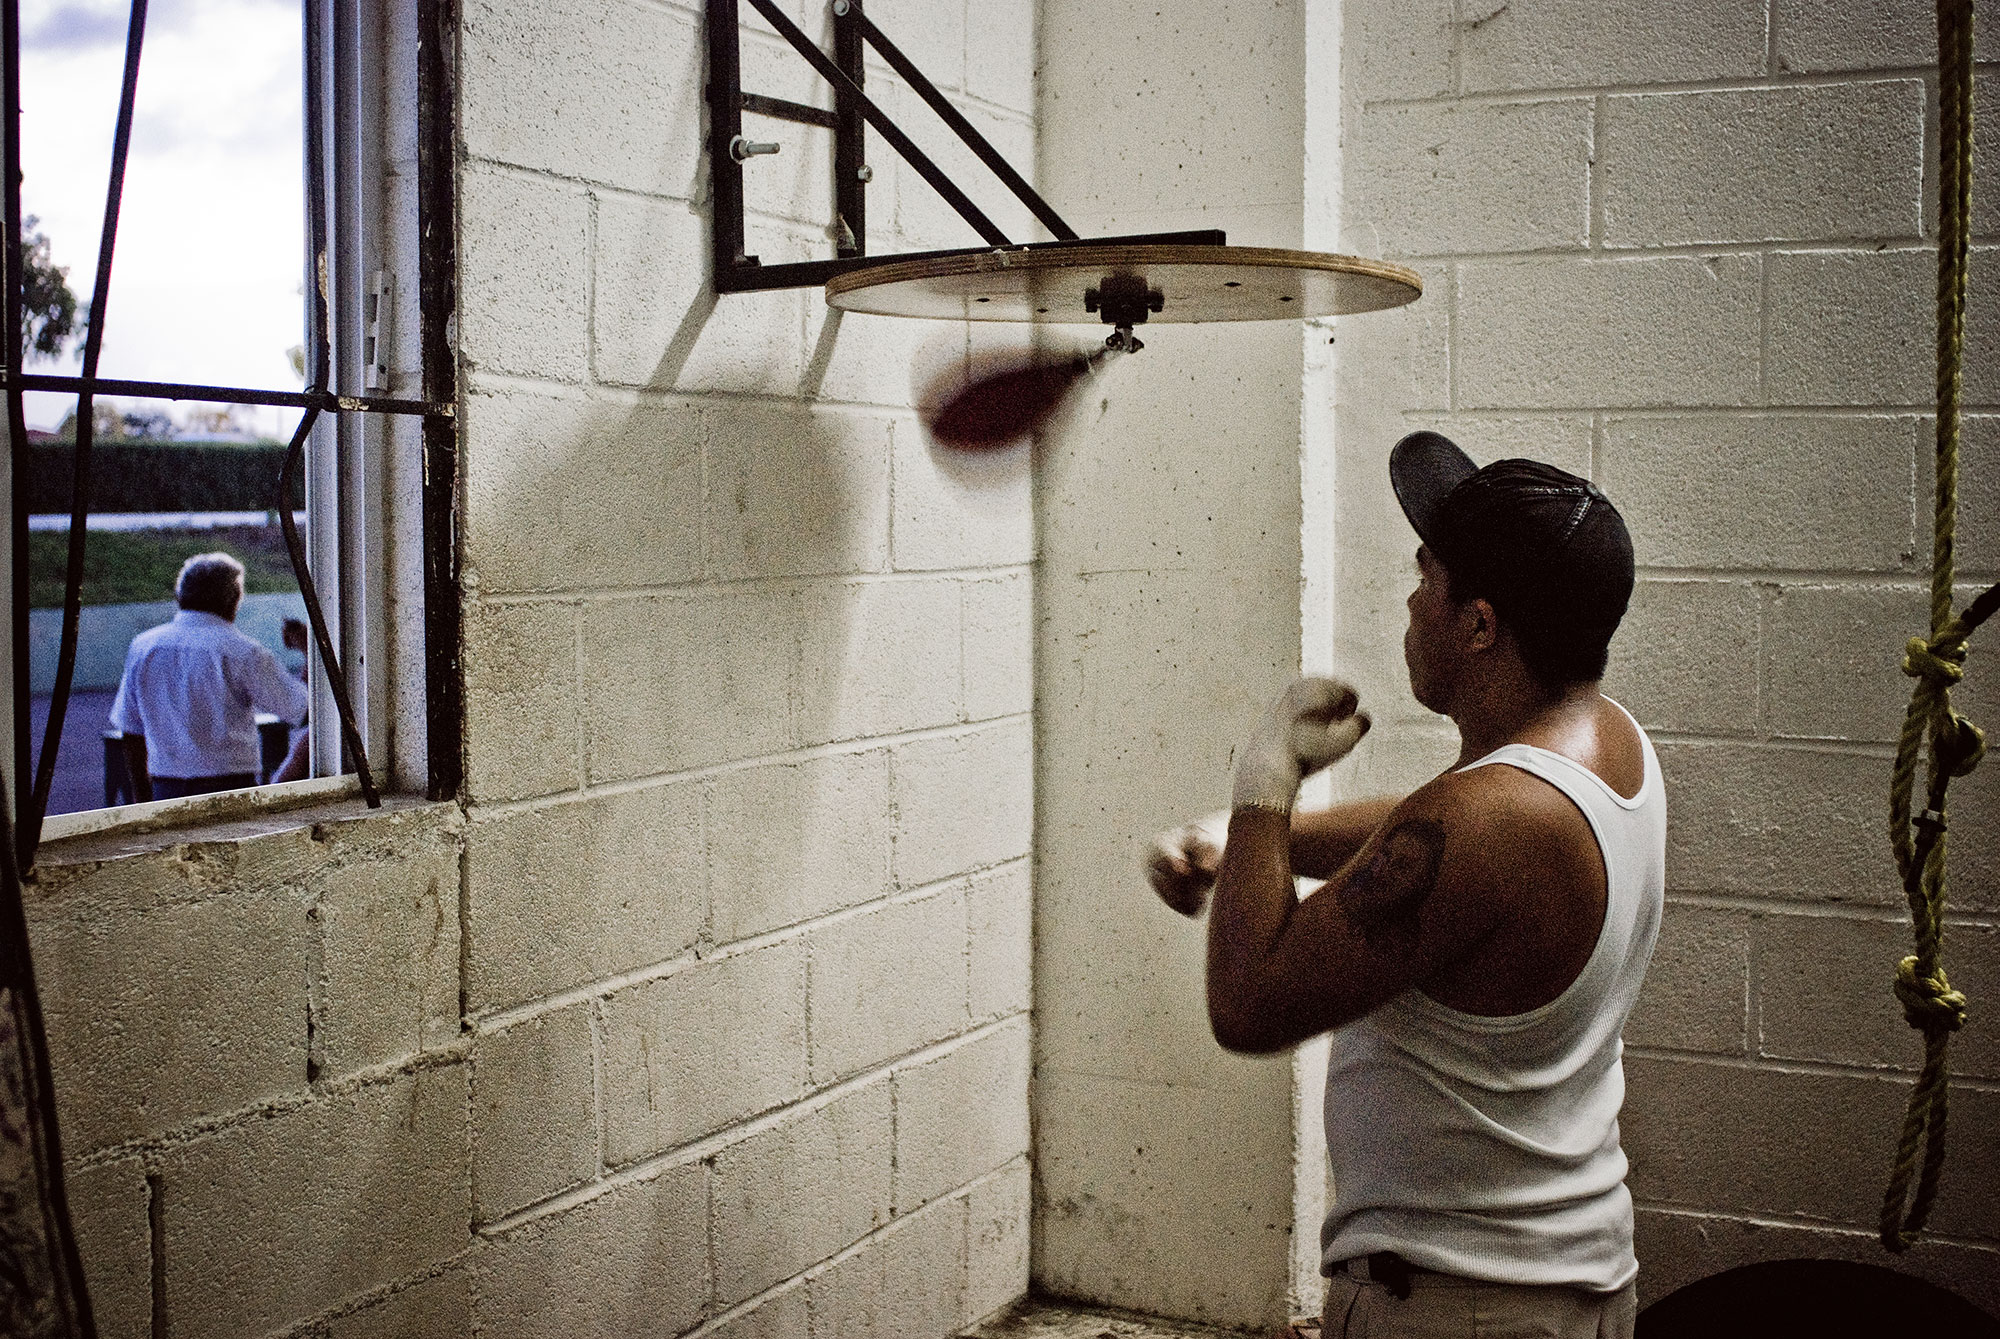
1385 895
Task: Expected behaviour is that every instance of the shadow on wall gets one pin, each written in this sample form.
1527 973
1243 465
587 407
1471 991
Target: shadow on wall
784 560
1827 1299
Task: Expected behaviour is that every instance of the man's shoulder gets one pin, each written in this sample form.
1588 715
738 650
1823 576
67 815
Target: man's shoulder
1494 798
1503 824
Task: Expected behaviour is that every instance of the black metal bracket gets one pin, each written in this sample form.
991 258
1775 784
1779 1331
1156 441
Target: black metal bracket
736 271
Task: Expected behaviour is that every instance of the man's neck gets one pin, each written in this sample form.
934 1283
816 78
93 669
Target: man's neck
1509 709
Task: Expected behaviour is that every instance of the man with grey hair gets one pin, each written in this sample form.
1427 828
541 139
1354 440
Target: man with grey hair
188 701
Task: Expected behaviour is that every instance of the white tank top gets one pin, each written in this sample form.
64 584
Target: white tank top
1488 1147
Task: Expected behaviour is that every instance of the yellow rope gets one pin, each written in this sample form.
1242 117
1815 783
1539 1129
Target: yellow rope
1937 663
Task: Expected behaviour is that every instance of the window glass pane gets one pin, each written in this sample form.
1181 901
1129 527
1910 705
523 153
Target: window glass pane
206 287
206 282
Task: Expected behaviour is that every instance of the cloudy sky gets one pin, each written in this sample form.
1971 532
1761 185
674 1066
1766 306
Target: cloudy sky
206 277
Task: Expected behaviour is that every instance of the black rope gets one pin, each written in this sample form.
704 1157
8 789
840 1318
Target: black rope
79 508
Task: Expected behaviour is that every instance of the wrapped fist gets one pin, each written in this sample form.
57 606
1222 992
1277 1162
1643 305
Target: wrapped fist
1314 724
1181 862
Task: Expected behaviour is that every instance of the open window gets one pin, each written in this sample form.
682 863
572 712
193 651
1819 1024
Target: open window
336 495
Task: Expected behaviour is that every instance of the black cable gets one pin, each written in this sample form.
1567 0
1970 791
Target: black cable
17 417
321 376
79 510
71 1293
295 549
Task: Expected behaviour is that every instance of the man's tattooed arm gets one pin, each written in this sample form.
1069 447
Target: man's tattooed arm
1385 896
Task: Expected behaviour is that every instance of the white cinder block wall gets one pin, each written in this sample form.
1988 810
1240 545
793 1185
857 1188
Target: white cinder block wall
707 1011
1687 249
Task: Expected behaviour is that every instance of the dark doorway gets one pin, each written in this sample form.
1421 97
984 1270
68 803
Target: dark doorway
1826 1299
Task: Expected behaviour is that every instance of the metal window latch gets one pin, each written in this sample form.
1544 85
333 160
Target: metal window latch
375 308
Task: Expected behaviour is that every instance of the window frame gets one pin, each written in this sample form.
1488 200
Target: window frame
381 454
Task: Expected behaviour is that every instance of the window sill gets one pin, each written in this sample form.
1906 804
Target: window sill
229 806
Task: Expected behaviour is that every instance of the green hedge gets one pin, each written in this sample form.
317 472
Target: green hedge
134 566
163 476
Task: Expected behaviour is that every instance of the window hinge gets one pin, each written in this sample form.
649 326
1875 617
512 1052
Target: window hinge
375 330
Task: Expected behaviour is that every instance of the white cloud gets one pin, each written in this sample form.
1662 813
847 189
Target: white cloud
206 274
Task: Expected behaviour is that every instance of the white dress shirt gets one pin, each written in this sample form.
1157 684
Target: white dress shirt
193 688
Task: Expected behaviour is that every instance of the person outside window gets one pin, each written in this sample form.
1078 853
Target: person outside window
187 703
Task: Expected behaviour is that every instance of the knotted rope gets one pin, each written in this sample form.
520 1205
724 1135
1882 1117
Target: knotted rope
1937 663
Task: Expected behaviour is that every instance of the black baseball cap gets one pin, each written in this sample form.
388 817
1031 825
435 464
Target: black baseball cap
1545 547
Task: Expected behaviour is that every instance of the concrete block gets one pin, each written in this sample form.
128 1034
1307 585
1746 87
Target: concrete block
703 1048
1859 328
1787 823
388 963
1680 1247
1684 659
1392 50
631 1261
998 1212
1000 56
1574 43
1824 992
435 1308
566 493
1403 355
909 1281
794 491
886 982
1128 1194
277 1219
1833 662
956 509
788 1197
521 700
657 320
999 914
963 802
1436 180
934 37
784 1314
1735 1139
1793 493
854 358
1671 330
1697 992
877 658
790 842
582 890
534 1117
999 638
108 1208
1562 440
1978 539
1985 144
923 219
1402 759
609 93
157 1017
961 1115
524 248
794 183
679 681
1825 35
1832 161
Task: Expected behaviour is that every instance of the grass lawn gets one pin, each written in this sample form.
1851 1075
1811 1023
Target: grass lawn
133 566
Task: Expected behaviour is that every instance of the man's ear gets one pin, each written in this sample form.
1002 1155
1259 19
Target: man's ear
1482 626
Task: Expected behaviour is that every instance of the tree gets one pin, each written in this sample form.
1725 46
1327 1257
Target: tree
49 317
